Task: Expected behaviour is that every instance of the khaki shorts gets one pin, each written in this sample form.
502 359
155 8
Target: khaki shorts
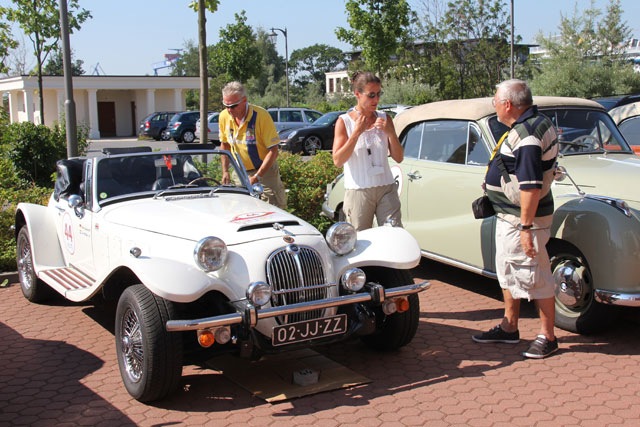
524 277
360 206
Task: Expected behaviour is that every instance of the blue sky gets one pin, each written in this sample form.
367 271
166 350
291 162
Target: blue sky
128 37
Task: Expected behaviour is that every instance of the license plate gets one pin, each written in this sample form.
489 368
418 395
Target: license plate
309 329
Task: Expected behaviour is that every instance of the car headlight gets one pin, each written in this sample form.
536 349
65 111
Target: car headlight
353 279
210 253
259 293
341 238
292 134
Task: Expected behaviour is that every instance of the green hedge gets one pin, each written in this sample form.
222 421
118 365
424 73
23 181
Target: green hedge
307 182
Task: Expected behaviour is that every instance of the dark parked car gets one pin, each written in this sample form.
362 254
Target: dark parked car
293 117
309 139
182 126
154 124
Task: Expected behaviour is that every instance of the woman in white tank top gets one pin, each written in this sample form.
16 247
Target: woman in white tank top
364 137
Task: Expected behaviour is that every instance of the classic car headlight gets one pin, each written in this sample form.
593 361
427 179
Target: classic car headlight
259 293
353 279
341 238
210 253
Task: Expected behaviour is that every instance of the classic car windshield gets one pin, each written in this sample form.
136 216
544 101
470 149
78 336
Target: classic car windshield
580 131
154 172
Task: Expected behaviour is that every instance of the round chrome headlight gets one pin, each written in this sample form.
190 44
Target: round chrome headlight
341 238
210 253
259 293
353 279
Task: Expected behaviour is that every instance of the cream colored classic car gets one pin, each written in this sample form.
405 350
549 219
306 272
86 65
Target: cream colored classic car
200 266
595 244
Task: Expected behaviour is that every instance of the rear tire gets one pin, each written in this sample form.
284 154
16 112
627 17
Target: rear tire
311 145
149 357
398 329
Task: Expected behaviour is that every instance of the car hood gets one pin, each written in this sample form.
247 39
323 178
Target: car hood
234 218
604 174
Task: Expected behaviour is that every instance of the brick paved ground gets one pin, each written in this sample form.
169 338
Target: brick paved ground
58 368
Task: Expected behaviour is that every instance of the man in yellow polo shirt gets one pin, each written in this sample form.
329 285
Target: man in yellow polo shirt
249 132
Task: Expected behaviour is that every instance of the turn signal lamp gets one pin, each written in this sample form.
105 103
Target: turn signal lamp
206 338
402 304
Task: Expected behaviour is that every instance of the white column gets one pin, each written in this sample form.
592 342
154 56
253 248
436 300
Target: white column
178 104
14 116
151 103
28 104
94 124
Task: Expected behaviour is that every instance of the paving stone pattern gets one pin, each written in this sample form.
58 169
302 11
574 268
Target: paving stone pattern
58 367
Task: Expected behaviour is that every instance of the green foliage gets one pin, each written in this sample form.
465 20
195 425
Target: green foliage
378 27
585 60
13 190
6 41
34 149
307 182
310 63
237 44
55 66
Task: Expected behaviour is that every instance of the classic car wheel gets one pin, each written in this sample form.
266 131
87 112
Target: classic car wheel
576 308
398 329
311 145
149 357
188 136
33 289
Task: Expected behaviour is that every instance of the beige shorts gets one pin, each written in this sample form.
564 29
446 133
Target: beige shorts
360 206
524 277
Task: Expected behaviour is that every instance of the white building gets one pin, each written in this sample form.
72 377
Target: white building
108 105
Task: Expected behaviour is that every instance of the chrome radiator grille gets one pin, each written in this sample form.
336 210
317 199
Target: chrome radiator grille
296 274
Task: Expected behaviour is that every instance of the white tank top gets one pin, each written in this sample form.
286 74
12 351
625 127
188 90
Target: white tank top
368 165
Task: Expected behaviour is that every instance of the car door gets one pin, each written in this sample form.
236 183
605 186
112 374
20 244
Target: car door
74 227
442 173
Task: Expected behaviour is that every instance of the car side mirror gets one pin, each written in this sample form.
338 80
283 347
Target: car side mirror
77 204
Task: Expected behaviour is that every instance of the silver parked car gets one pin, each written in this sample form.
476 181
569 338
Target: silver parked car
595 237
289 118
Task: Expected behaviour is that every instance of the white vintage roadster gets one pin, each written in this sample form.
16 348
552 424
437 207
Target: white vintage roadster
201 266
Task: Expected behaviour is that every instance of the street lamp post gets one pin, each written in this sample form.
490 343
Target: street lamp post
273 37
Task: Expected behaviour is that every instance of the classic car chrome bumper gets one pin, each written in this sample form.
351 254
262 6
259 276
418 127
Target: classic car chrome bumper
618 298
251 315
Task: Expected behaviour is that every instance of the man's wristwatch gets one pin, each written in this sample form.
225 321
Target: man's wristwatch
525 227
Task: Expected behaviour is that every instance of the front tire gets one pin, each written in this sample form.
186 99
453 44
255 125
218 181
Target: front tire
188 136
311 145
149 357
398 329
164 136
33 289
576 308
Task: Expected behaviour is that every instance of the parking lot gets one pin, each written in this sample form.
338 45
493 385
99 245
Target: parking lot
59 368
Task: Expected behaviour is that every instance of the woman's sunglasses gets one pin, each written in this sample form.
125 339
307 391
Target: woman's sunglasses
373 94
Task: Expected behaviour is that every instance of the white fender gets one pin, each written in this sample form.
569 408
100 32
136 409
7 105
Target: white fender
45 245
391 247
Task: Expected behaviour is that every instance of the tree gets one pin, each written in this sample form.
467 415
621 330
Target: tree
236 54
464 52
40 21
378 27
55 66
585 59
6 41
201 6
310 63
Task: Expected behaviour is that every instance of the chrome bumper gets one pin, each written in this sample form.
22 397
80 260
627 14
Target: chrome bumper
251 315
618 298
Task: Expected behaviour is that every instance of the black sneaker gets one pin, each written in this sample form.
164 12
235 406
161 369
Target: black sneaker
541 347
497 334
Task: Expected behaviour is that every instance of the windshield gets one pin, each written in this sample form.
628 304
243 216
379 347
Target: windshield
161 172
580 131
327 119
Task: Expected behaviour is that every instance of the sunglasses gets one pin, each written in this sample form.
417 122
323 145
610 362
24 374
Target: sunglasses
373 94
232 106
